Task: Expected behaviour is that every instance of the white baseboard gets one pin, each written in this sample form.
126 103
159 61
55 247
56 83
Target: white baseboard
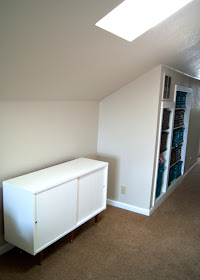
128 207
5 248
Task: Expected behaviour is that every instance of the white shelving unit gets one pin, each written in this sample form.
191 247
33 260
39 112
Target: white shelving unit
168 104
185 126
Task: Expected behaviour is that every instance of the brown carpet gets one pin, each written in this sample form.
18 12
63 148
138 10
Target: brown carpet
124 245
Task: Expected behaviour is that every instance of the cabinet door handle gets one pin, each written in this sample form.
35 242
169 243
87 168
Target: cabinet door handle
35 222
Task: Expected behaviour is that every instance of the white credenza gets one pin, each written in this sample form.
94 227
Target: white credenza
43 206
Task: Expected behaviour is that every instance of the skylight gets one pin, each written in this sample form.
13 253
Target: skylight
132 18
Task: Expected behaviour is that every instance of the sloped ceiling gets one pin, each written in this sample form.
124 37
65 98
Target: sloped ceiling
51 49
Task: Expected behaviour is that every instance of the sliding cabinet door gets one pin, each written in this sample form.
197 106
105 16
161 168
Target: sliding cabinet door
55 213
91 194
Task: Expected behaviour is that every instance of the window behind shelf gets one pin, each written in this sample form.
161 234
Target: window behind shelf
167 87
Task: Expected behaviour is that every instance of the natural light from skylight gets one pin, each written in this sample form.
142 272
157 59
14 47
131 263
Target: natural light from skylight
132 18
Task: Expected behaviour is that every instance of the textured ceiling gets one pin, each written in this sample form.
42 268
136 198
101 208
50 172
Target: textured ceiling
53 50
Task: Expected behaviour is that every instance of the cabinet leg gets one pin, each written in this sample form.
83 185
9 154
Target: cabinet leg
72 236
40 257
96 219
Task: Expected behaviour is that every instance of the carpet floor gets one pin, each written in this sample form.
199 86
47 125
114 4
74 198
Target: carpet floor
124 245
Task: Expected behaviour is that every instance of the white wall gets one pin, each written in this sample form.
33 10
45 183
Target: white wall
126 138
36 135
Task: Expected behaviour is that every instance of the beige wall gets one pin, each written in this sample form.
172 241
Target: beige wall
36 135
127 136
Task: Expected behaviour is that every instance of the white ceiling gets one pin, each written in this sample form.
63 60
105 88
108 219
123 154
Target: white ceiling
51 49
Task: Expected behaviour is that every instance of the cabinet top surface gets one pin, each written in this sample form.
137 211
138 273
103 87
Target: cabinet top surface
43 179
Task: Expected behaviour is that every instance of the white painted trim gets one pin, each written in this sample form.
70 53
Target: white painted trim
163 197
183 88
5 248
128 207
167 104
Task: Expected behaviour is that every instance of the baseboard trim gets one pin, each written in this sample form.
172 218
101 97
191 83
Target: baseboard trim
128 207
5 248
160 201
148 212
